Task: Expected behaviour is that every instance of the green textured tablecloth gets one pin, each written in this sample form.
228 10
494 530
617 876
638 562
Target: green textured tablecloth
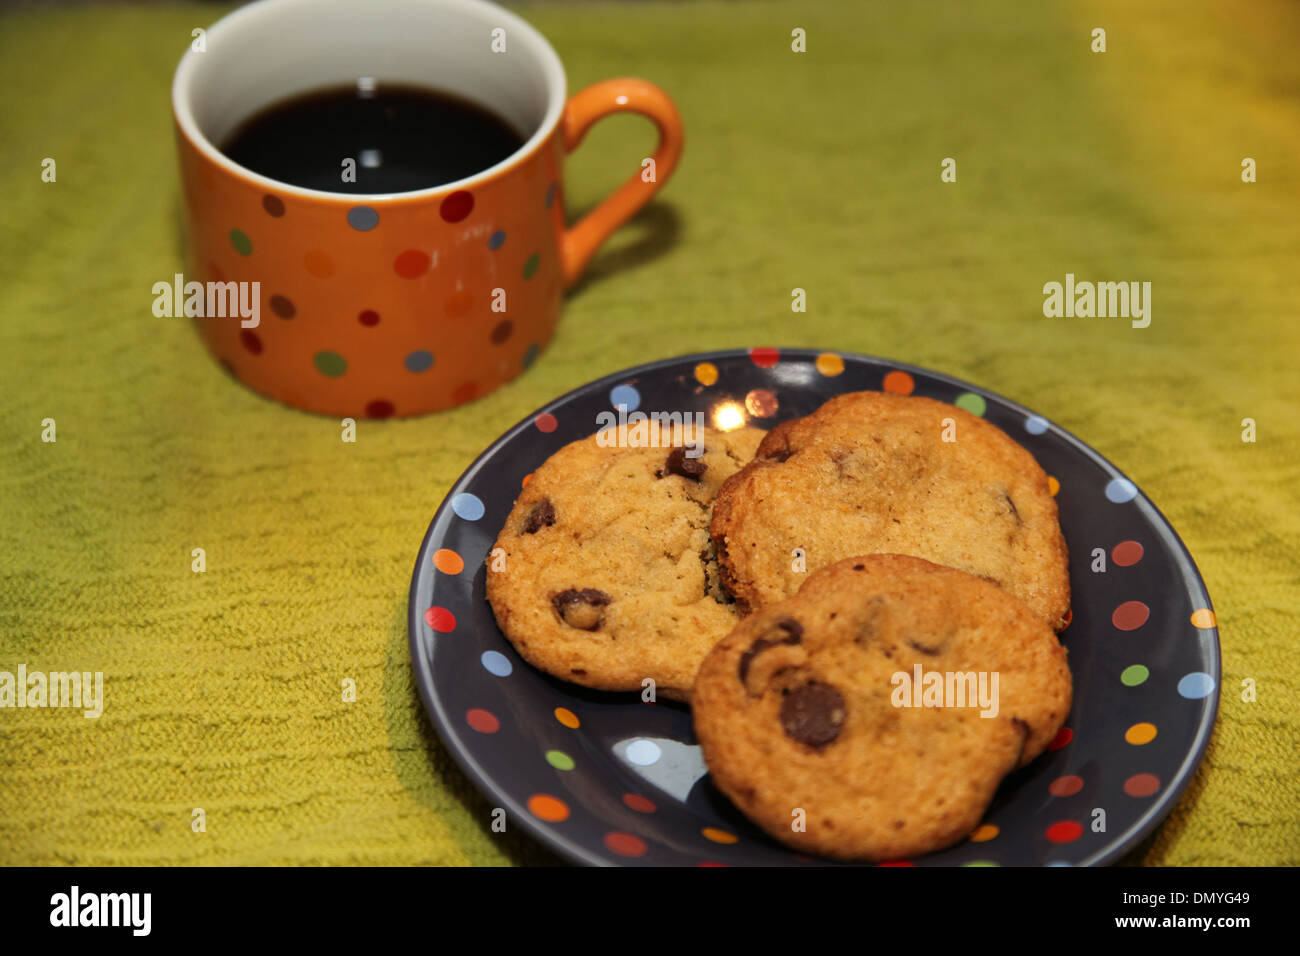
817 170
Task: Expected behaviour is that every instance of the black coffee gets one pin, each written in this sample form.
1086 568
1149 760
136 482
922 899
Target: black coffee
399 138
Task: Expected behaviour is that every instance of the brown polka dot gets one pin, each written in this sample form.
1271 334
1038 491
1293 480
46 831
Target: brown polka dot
250 342
274 205
282 307
502 331
369 318
379 409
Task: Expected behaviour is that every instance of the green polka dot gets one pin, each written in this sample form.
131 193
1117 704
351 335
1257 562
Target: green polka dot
559 760
1132 676
530 267
330 363
971 402
980 863
239 239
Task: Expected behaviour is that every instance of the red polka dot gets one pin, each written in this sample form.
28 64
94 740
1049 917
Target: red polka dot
1130 615
250 342
379 409
1066 831
1126 553
483 721
764 357
898 863
369 318
710 863
1063 737
464 393
502 331
1141 785
546 422
457 206
898 382
1066 786
440 619
412 264
639 803
625 844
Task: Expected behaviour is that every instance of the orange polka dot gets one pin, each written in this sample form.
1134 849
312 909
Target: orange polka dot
1203 618
548 808
761 403
319 264
719 836
829 364
1140 734
1053 485
412 264
625 844
567 717
448 561
984 833
899 382
706 373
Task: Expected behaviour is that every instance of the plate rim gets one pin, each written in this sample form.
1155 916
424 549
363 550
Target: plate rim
558 842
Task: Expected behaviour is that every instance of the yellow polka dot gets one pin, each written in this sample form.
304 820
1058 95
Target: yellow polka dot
1203 618
1053 485
719 836
830 364
706 373
985 833
1140 734
566 717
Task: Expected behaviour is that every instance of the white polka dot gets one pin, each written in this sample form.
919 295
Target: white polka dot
643 752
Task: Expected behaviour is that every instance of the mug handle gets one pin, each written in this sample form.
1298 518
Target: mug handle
623 94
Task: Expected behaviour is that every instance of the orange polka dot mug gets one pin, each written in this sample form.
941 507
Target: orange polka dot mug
398 303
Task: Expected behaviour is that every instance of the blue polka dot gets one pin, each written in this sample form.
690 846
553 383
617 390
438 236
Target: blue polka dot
643 752
496 663
1120 490
1035 424
626 396
1058 863
363 218
1196 685
550 194
419 361
467 506
497 239
531 355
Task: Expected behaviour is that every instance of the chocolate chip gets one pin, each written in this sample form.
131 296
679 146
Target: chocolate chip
923 648
1015 512
542 516
813 714
581 608
679 464
785 631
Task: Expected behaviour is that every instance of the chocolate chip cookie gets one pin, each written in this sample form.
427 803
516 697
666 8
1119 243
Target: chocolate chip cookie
872 472
604 573
821 718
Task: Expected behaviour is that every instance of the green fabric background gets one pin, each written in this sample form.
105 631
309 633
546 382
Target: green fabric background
818 170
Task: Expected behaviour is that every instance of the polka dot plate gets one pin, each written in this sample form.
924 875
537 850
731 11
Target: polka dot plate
608 779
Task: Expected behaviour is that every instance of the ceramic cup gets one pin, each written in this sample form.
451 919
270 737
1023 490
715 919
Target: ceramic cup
403 303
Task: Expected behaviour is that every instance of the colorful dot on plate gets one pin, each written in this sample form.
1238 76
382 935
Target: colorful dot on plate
282 307
330 364
319 264
1140 734
1058 863
710 863
625 397
625 844
379 408
559 760
761 403
1066 786
496 663
1126 554
497 239
467 506
984 833
898 382
1134 675
1053 486
980 863
1130 615
1036 424
369 318
448 561
1141 785
897 863
501 331
412 263
1196 685
1120 490
419 361
829 364
764 357
972 403
548 808
530 266
363 218
546 422
1203 618
484 721
567 717
457 206
440 619
639 803
719 836
643 752
1067 831
250 341
706 373
273 205
1062 739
